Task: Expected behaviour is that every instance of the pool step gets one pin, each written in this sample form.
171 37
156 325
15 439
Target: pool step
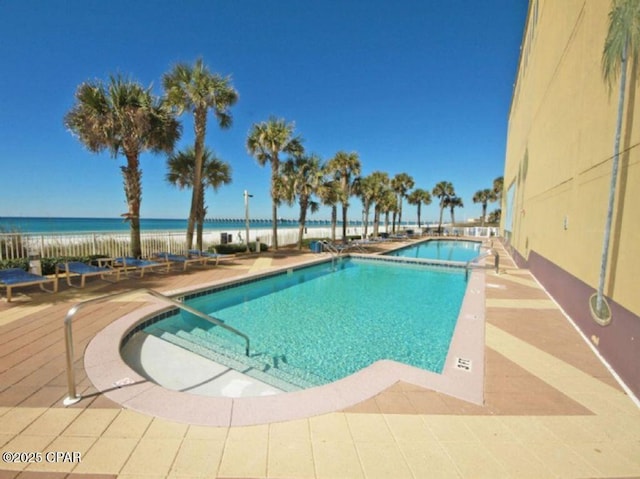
232 355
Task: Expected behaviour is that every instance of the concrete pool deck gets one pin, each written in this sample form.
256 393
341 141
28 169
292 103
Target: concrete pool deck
551 408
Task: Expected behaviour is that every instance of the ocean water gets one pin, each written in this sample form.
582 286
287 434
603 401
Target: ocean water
10 224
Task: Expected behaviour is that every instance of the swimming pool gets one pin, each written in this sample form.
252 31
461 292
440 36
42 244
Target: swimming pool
321 323
447 250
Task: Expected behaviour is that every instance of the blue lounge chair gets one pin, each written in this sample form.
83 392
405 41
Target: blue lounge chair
140 265
17 277
179 259
206 256
83 270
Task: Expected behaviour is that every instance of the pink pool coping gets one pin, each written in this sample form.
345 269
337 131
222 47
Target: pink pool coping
112 377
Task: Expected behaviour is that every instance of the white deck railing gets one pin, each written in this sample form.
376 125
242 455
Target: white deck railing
22 245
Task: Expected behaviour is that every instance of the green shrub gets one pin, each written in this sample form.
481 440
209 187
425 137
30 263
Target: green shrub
233 248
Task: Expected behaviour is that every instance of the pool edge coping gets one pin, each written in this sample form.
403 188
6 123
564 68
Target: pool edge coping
117 381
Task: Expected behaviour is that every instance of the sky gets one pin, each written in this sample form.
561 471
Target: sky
421 87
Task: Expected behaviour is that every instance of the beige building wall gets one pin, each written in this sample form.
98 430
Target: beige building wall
560 146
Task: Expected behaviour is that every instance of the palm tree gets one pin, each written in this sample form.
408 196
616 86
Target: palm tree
622 42
182 174
345 166
123 117
454 202
401 183
367 188
419 197
484 197
498 186
388 204
302 178
329 194
196 89
443 190
381 189
266 141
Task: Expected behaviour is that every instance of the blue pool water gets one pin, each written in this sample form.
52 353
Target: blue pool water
448 250
331 323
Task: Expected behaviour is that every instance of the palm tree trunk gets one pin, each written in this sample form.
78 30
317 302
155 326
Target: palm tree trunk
200 223
393 224
612 187
302 219
376 221
344 223
334 221
275 166
440 223
484 212
199 126
419 206
133 192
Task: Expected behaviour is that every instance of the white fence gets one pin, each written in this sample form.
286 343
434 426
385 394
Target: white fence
18 245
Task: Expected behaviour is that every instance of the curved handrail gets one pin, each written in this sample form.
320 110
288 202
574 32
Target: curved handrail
73 397
490 252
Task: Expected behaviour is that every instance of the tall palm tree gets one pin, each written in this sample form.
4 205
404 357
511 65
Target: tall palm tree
196 89
302 178
367 187
622 42
484 197
498 186
329 194
388 204
266 142
401 183
124 118
346 166
216 173
453 202
381 191
419 197
443 190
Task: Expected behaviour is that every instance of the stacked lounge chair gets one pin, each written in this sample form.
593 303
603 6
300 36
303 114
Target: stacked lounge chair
17 277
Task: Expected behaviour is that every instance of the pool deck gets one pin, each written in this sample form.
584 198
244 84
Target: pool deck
551 408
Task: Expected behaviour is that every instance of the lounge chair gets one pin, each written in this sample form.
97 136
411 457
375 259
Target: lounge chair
205 256
17 277
179 259
140 265
83 270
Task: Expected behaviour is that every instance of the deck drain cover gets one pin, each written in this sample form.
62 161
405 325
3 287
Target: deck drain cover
464 364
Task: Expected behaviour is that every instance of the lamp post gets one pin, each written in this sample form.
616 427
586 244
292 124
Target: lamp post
246 214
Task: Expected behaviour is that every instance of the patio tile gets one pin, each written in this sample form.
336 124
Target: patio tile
52 422
197 456
107 455
244 459
128 424
474 460
18 419
91 423
152 456
336 460
369 428
330 427
428 459
290 458
382 460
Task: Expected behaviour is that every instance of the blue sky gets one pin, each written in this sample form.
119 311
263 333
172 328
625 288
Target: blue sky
415 86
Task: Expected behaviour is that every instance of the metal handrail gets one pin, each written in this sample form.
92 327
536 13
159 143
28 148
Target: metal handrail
490 252
73 397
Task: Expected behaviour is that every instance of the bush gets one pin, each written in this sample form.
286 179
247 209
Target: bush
233 248
48 264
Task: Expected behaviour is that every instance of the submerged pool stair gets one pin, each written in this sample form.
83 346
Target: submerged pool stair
264 367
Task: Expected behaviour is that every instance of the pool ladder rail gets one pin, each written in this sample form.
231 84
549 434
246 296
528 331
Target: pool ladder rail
474 262
72 396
